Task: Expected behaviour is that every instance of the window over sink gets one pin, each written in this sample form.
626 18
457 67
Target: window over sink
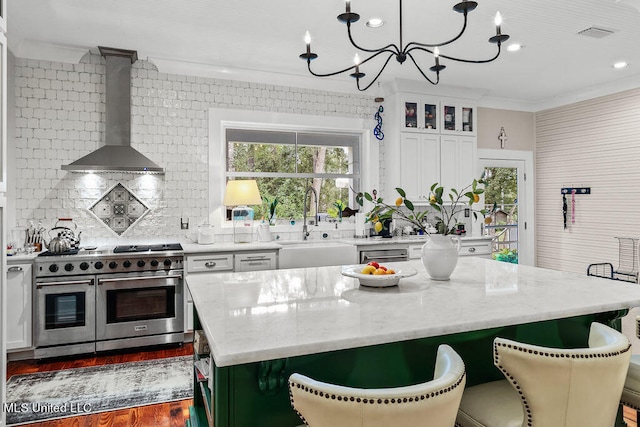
286 163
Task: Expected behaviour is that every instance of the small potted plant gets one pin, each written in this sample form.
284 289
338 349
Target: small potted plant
336 210
272 209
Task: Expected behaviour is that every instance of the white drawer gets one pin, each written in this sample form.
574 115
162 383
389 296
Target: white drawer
476 248
208 263
415 251
255 262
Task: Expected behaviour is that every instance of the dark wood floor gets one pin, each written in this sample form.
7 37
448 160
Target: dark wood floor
166 414
630 417
172 414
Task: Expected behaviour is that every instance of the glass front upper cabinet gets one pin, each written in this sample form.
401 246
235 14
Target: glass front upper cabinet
458 118
420 116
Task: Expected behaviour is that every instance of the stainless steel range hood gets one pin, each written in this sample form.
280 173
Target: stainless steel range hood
117 155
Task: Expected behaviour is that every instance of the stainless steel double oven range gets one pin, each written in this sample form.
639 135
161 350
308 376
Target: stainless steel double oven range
90 301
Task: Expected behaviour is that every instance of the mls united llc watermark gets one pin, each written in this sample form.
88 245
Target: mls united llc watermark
38 407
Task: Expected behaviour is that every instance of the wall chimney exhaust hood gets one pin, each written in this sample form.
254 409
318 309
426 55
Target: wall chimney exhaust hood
117 155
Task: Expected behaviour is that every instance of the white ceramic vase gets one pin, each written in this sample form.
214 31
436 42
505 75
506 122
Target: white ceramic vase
440 255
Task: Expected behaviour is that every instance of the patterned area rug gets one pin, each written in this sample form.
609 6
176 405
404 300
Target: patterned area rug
81 391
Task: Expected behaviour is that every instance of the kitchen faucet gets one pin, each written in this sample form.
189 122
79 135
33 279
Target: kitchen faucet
305 232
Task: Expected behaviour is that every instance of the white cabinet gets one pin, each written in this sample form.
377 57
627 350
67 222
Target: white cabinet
457 161
426 159
458 118
18 318
419 114
418 154
3 110
419 164
223 262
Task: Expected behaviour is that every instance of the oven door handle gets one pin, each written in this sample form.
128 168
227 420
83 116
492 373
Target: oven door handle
128 279
70 282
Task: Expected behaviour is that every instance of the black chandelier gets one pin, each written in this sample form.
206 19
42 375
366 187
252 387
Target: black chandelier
401 52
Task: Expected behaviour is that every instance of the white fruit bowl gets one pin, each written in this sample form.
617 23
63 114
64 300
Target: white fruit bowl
377 281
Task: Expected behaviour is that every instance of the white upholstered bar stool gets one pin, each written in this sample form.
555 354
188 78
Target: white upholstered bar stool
433 403
547 387
631 392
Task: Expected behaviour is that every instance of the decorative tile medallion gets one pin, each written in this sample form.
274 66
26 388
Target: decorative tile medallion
119 209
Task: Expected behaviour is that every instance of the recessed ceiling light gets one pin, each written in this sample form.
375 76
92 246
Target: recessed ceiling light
514 47
620 64
374 23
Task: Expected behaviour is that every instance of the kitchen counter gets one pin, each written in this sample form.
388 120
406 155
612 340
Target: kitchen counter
263 326
194 248
263 315
23 257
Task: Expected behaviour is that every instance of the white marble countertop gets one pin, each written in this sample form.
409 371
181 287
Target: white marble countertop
263 315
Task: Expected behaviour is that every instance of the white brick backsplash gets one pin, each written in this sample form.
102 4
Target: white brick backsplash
60 118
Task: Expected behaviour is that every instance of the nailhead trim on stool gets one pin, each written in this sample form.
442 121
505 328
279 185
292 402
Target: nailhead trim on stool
370 401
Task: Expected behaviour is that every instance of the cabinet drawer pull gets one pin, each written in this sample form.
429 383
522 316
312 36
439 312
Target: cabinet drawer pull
472 249
210 264
14 268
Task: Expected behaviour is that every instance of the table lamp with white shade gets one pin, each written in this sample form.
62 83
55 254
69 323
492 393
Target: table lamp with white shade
241 193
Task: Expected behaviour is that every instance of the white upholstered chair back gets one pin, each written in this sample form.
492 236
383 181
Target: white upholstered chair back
434 403
571 388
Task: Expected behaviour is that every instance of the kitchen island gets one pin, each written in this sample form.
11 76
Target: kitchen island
262 326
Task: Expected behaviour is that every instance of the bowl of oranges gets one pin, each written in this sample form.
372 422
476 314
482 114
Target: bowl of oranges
376 275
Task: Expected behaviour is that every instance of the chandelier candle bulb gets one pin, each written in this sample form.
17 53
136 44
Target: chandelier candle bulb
348 6
498 22
307 40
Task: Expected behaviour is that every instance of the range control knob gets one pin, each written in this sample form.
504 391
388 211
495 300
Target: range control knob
68 267
127 264
141 263
84 265
98 265
154 262
113 264
167 262
53 268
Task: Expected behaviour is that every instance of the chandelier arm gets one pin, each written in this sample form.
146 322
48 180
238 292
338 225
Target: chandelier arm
352 67
328 74
422 72
412 45
473 61
453 58
387 48
377 75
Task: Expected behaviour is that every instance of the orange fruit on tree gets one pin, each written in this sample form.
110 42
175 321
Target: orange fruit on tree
488 220
377 226
476 198
399 201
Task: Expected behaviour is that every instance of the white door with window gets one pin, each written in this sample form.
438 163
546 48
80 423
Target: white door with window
510 192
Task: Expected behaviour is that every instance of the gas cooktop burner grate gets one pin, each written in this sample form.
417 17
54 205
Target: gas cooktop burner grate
69 252
145 248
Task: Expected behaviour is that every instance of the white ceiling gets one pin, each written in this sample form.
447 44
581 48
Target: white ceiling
260 40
